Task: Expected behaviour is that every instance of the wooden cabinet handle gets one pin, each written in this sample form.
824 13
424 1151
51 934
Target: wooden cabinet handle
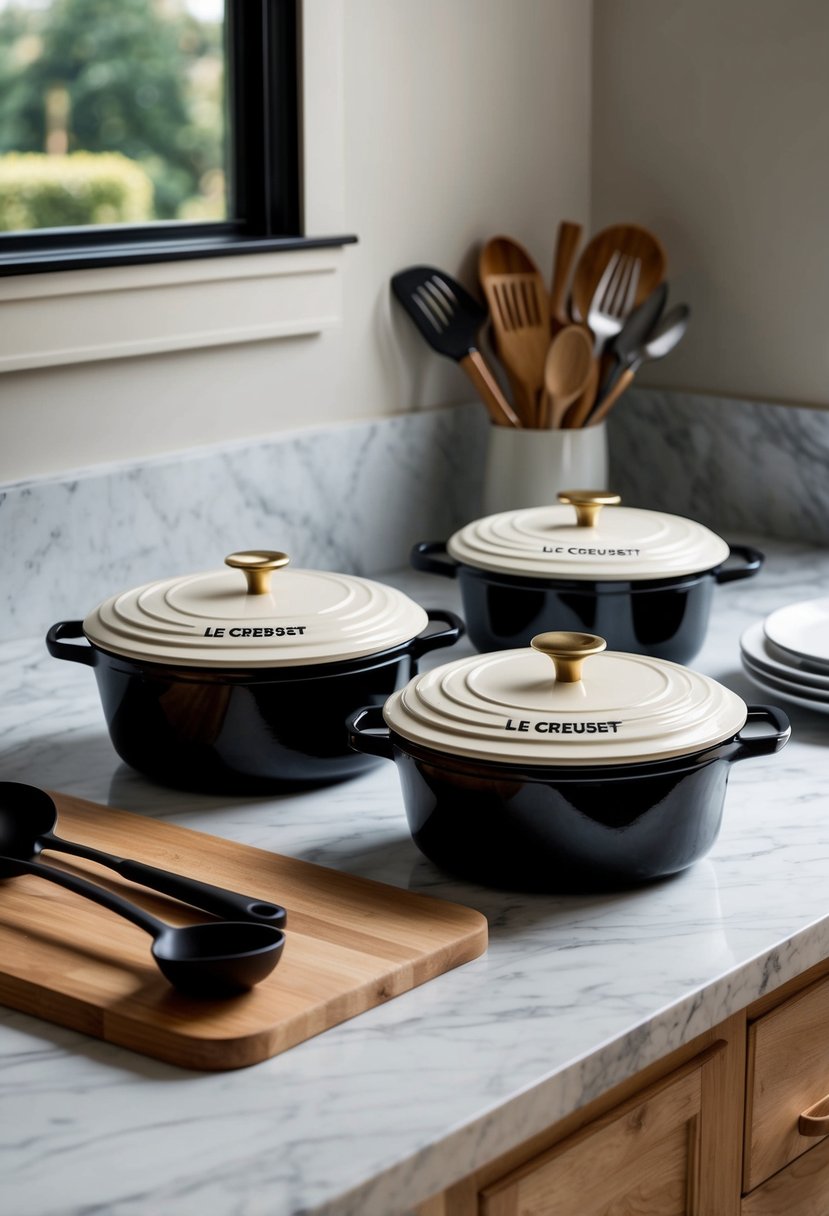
815 1120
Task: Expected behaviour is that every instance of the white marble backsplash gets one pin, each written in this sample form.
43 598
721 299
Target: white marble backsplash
353 497
736 466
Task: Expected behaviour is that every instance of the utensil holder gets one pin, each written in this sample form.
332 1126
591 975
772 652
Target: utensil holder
527 468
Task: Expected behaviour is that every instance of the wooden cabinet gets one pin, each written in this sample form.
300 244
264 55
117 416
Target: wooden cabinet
801 1189
716 1129
645 1156
788 1072
668 1142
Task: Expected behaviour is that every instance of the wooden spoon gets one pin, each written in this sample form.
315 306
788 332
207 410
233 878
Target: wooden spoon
623 239
567 371
579 411
520 312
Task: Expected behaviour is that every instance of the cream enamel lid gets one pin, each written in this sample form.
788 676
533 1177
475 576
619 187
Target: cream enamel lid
564 701
257 613
588 536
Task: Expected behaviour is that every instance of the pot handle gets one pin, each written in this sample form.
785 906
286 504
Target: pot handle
423 557
75 654
425 642
763 745
753 559
358 726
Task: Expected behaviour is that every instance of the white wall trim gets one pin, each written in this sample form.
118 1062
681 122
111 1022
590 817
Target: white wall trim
79 316
127 311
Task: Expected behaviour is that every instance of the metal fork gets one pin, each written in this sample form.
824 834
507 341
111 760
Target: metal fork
613 299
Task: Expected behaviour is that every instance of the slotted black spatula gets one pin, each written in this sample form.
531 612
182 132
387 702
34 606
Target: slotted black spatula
449 319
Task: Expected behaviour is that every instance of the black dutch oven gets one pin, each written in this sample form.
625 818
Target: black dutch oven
218 681
517 776
641 579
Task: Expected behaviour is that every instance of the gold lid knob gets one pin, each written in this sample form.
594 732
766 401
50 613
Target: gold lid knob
588 504
568 652
257 566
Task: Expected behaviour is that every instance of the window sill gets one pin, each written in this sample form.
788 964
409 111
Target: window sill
137 253
156 307
207 296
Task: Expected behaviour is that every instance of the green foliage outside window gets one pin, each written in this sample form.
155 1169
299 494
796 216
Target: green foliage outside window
38 191
140 78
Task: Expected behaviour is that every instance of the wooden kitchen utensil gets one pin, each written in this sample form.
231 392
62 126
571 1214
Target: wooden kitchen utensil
520 312
352 944
567 372
600 412
449 319
627 240
579 411
569 235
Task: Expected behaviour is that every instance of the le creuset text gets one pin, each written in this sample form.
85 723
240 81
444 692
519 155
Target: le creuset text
259 631
563 728
576 551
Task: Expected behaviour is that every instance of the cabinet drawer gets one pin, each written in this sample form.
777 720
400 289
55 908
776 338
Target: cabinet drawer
642 1157
788 1072
801 1189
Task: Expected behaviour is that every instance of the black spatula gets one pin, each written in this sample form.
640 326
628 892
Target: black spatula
449 319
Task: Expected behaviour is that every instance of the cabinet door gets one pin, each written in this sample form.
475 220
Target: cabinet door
788 1071
643 1159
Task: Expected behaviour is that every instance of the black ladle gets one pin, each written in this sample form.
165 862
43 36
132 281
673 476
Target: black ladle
28 815
217 959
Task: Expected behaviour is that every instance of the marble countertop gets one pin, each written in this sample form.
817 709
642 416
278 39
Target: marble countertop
574 995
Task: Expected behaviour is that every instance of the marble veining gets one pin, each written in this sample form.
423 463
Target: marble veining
353 497
574 995
733 465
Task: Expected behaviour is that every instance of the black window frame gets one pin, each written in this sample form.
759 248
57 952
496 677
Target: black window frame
264 161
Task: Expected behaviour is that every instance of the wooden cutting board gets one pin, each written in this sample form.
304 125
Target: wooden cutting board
351 944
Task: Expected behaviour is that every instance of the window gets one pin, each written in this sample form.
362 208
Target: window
148 131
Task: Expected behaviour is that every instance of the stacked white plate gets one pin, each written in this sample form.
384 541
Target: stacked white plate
787 654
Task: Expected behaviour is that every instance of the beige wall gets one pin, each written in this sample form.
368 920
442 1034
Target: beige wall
461 119
710 122
711 125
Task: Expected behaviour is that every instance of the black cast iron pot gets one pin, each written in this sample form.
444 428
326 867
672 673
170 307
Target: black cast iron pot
248 729
666 617
641 579
585 829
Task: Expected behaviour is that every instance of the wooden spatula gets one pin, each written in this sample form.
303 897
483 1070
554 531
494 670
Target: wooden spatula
520 310
567 242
